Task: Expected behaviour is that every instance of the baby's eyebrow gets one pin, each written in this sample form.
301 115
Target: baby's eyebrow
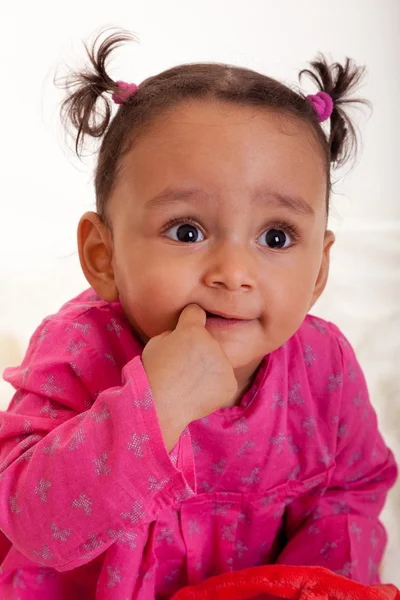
295 204
195 196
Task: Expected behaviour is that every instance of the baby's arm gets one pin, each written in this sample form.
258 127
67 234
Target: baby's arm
343 532
72 476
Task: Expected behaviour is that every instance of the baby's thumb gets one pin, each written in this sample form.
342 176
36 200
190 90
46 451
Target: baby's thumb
192 314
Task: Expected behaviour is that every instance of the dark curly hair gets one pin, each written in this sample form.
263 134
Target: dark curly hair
205 81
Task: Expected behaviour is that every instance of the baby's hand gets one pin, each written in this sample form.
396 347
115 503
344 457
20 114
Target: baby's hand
189 373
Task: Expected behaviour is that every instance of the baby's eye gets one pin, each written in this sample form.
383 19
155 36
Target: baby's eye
275 238
186 232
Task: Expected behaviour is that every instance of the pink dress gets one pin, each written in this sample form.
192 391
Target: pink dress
93 506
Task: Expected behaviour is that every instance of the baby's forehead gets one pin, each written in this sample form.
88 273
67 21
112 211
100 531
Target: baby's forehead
225 149
187 116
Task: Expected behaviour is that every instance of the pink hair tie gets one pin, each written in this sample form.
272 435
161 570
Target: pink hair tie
126 91
323 105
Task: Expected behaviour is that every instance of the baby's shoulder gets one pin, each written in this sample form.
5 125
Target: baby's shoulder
322 335
87 324
86 306
88 340
84 312
319 347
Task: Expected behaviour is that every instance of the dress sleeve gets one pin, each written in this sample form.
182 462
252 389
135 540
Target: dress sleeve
341 530
77 472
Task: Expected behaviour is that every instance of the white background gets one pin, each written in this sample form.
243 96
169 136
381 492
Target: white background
44 189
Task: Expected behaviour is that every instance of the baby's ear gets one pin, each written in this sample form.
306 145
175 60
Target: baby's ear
323 273
95 255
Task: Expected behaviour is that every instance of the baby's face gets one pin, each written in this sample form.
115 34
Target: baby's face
228 176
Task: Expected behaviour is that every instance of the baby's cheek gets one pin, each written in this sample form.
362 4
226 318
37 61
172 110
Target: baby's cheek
151 316
288 316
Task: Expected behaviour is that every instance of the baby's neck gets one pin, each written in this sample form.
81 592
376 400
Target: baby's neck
244 384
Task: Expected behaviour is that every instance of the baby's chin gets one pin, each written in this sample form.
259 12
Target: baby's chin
241 355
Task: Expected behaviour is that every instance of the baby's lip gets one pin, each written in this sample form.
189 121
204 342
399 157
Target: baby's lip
225 316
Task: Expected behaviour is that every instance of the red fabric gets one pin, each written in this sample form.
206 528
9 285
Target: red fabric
282 581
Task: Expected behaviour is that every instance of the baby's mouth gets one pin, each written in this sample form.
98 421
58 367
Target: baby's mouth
224 317
210 315
222 322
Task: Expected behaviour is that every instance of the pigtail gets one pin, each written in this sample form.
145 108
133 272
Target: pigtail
87 88
339 81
